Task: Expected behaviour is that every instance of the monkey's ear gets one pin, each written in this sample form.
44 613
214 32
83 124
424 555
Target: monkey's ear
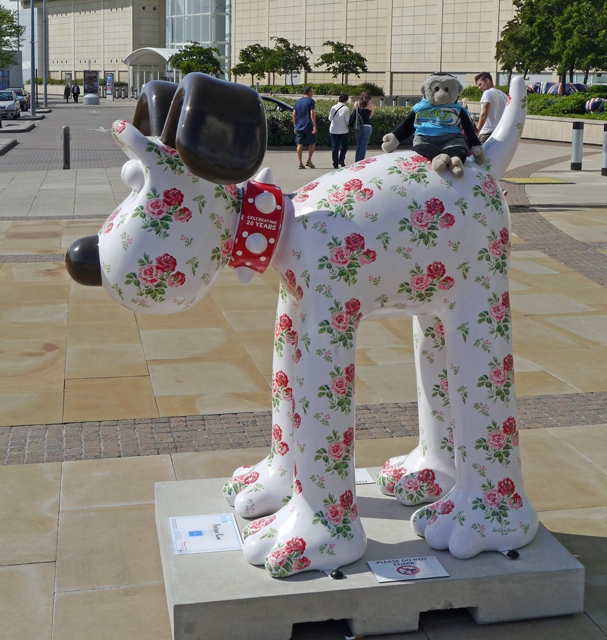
218 128
153 106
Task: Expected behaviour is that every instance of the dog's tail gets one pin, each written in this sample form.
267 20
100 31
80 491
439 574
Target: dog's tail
501 146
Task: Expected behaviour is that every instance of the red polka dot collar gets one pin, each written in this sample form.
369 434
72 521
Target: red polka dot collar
259 226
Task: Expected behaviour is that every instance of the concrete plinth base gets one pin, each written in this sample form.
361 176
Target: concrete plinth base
219 596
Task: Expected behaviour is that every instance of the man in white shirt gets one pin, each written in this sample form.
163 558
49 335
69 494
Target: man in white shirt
339 117
493 103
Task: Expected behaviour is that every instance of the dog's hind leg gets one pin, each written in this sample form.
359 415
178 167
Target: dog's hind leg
265 487
487 509
428 472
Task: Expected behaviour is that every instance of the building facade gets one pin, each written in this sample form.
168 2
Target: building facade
12 77
97 34
203 21
403 40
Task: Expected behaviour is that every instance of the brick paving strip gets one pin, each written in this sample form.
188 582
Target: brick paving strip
123 438
540 234
156 436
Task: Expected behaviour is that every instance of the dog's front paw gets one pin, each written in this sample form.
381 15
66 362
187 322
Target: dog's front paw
390 143
299 539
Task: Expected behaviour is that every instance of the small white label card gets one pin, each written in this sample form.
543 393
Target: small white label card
407 569
205 534
362 476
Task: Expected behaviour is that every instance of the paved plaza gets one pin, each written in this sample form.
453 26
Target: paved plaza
98 403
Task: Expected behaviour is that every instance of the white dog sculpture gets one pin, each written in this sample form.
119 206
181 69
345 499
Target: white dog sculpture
383 237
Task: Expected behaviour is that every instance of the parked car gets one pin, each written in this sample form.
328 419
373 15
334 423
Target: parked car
279 106
9 104
24 98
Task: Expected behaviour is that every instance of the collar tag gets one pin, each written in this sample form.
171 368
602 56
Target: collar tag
259 226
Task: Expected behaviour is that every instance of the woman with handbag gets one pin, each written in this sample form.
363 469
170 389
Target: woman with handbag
362 132
339 117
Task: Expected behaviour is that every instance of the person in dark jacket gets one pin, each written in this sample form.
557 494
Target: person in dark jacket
75 92
66 93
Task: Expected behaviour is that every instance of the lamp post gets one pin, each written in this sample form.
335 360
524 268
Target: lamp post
44 53
32 61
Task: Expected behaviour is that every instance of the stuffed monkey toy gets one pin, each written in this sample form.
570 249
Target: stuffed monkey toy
436 124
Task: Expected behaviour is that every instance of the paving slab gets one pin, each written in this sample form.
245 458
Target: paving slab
220 596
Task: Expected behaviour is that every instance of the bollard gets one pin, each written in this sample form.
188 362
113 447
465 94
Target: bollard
66 136
577 146
604 163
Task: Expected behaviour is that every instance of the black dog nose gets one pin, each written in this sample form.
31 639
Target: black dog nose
82 261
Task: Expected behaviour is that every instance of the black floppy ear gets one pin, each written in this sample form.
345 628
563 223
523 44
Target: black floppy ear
153 106
218 128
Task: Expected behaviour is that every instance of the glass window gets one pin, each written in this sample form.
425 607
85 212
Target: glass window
221 30
196 20
179 7
205 35
195 6
178 32
187 29
205 6
220 6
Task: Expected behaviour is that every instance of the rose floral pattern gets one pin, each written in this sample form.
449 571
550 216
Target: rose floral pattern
153 279
239 483
498 315
390 474
340 201
488 189
424 283
425 221
337 516
499 442
386 236
343 323
346 258
284 334
337 453
340 390
497 251
499 380
497 501
412 169
417 487
161 210
287 559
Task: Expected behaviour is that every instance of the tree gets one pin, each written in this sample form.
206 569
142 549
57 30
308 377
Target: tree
253 60
564 35
194 57
579 39
11 36
289 58
342 60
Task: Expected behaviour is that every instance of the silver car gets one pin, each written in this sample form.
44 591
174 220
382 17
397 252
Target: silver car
9 104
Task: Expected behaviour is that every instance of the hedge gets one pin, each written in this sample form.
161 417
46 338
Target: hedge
324 89
280 124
